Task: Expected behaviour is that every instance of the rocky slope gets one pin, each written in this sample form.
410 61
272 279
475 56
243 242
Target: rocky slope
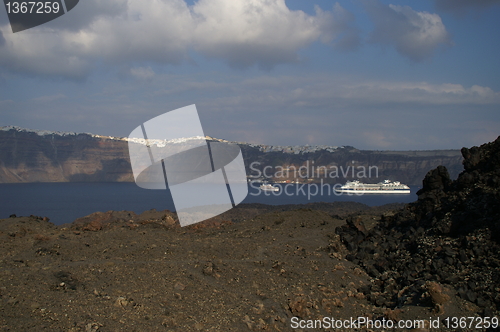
118 271
450 236
43 156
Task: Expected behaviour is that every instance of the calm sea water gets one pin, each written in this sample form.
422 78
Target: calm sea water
65 202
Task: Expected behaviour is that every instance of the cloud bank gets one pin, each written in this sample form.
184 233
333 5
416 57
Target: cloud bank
243 33
286 109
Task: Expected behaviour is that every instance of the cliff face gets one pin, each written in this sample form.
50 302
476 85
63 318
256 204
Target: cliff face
40 156
54 157
346 163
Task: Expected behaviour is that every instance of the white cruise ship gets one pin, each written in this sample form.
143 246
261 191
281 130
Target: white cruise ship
269 187
385 187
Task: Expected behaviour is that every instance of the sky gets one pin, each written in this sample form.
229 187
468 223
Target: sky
373 74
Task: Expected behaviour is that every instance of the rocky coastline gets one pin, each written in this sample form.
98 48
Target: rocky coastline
44 156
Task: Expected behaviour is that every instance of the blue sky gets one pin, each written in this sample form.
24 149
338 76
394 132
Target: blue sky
386 75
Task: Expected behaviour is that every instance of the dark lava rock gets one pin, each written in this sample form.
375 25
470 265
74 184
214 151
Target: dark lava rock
450 235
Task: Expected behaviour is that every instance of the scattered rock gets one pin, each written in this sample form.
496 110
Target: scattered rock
93 226
208 270
121 302
436 292
179 286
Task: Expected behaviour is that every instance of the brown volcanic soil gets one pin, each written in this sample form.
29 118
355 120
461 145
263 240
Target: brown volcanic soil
117 271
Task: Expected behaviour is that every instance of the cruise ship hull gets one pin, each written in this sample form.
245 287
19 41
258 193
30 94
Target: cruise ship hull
385 187
375 191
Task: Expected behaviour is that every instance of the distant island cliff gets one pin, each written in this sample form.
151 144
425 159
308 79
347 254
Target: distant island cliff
45 156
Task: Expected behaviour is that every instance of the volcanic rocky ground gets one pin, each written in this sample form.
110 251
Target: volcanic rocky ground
256 266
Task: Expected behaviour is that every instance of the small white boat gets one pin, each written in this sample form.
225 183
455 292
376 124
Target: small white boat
268 187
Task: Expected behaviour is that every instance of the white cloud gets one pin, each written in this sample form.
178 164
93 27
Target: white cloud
241 32
252 31
88 12
340 28
150 31
263 32
414 34
425 93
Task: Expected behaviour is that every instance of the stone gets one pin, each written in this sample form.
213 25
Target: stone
121 301
179 286
208 270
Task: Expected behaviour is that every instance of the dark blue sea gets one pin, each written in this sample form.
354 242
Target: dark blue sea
65 202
